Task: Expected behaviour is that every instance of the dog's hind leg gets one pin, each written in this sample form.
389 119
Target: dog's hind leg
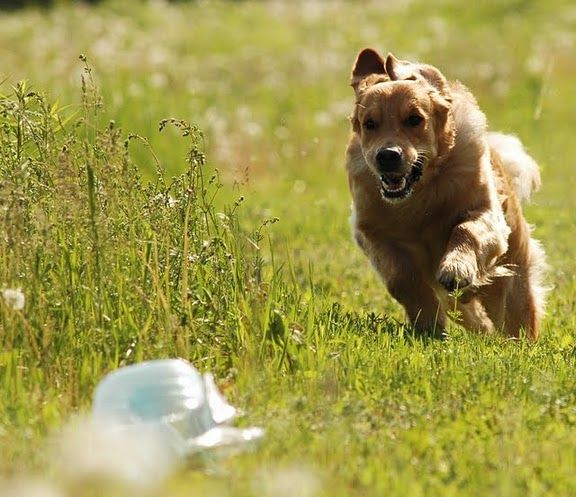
523 310
526 296
473 316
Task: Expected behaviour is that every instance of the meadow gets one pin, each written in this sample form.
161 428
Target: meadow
172 184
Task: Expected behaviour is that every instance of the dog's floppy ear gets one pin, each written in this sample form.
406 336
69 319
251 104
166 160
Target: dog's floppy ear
404 70
368 62
444 127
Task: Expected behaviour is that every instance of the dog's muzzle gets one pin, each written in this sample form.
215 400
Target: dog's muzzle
395 186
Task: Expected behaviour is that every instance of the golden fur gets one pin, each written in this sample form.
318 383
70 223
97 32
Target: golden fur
436 201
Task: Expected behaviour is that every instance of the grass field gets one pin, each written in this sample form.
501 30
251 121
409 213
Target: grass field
231 247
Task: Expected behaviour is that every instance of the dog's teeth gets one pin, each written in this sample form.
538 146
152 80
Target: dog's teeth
397 187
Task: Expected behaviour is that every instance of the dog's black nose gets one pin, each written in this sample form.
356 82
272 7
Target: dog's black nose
389 159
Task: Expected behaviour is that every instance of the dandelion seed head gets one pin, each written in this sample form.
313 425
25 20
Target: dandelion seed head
14 298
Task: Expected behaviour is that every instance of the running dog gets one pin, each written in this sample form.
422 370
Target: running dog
437 201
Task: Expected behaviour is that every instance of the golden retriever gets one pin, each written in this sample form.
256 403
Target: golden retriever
436 201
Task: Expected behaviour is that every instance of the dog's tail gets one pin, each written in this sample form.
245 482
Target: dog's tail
521 168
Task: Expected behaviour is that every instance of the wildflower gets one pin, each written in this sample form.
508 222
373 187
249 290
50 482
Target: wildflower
14 298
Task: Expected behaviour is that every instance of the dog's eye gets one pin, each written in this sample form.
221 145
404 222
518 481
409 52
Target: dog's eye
370 124
413 120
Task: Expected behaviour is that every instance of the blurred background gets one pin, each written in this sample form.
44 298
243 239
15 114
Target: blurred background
268 83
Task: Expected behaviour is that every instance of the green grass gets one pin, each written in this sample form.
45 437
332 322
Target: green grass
230 247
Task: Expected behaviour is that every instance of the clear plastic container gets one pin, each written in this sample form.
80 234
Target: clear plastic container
172 400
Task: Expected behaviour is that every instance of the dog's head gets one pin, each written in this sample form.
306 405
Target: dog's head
403 120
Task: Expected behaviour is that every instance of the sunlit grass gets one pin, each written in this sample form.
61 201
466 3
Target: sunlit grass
123 251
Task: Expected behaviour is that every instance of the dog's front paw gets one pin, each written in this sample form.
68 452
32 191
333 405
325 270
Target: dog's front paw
457 275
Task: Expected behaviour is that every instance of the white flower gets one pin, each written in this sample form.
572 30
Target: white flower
14 298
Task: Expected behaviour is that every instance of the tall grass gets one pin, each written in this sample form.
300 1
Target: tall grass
113 270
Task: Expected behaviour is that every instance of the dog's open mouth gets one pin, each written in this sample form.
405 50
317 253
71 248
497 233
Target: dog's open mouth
399 186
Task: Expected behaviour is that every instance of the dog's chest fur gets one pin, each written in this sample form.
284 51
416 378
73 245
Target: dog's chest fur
420 226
